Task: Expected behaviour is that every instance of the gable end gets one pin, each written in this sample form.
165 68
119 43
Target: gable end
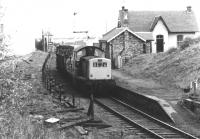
155 21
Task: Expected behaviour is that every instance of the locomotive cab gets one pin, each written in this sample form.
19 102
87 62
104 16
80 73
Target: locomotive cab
82 57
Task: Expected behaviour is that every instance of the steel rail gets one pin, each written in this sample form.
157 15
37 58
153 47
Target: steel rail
156 120
173 130
130 121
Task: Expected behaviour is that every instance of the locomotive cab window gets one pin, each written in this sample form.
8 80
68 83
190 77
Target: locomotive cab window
99 64
179 40
95 64
104 64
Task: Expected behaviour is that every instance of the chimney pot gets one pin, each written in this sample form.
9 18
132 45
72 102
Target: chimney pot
189 8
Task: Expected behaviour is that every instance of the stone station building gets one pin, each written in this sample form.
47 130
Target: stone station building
124 43
140 32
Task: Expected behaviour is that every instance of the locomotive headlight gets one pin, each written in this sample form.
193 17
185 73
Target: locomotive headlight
91 75
108 75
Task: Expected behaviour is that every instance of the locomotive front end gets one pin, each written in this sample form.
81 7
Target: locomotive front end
99 69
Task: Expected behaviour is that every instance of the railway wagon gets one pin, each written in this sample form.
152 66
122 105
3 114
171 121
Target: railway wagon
87 67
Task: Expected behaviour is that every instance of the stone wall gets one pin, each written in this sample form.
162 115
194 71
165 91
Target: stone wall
118 45
134 46
127 45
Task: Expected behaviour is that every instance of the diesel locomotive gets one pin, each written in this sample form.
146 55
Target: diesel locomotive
86 65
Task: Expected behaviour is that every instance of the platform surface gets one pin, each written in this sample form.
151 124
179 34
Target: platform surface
167 98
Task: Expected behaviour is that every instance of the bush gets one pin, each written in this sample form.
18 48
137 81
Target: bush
186 43
189 42
171 50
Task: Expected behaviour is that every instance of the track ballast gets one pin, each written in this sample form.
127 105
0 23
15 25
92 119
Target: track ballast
149 126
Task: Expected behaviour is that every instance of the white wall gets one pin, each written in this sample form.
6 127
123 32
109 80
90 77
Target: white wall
160 29
172 41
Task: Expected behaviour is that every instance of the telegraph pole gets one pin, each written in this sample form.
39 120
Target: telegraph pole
74 20
74 26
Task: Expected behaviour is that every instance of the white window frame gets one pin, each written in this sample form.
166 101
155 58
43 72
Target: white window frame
179 42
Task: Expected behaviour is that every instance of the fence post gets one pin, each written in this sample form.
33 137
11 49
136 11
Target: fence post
47 83
73 100
60 94
50 85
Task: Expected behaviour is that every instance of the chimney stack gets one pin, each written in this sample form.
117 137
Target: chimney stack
123 17
189 8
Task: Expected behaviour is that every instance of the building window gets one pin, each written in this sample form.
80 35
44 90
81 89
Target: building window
148 47
144 48
179 40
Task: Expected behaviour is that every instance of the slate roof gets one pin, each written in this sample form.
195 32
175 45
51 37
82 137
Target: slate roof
113 32
145 35
117 31
176 21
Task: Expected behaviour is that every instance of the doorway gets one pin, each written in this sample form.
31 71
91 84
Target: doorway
159 43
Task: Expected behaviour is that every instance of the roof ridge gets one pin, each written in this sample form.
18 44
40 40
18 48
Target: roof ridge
143 32
158 11
109 36
170 11
175 21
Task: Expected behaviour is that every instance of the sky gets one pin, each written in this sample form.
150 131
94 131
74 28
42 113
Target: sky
25 19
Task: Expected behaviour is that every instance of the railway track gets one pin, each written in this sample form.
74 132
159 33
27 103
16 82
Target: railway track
135 120
149 126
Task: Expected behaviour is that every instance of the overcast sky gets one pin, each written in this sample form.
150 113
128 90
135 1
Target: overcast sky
25 19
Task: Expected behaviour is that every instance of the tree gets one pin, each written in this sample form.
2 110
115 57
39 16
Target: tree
4 39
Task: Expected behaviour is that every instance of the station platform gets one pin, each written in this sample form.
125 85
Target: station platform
146 86
166 98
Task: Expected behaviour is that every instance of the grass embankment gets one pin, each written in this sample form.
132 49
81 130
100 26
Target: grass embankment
15 93
174 69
